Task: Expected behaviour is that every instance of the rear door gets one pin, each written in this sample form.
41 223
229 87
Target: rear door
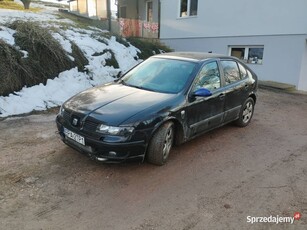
236 88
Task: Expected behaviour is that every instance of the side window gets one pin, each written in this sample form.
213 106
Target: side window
243 72
188 8
231 71
208 77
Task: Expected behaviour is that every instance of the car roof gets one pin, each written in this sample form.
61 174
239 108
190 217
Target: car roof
192 56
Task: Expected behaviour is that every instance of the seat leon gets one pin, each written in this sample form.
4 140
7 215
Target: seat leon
167 99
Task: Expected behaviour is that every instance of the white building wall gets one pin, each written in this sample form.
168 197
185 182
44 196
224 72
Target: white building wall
280 26
235 18
282 56
303 74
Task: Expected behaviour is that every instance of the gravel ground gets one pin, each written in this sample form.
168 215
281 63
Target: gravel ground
213 182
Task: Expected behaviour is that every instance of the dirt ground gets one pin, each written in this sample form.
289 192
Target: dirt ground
212 182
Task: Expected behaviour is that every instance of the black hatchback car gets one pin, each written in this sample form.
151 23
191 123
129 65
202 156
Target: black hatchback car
167 99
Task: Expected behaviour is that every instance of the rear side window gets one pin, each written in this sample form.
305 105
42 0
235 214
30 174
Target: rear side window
243 72
231 72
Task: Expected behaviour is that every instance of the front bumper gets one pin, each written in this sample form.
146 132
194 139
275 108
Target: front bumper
101 150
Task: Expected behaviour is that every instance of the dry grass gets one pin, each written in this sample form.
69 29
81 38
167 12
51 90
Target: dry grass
46 58
10 5
14 72
148 47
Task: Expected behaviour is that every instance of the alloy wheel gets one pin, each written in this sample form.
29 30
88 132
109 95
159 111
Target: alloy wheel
247 112
168 142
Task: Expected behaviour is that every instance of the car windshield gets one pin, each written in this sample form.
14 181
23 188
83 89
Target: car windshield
160 75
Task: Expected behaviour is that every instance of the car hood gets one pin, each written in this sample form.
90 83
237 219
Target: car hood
114 103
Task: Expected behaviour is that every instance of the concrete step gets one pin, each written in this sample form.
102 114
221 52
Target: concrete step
276 85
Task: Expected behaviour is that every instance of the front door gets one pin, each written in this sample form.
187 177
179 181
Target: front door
206 113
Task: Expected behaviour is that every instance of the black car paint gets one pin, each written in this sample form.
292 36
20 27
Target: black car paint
118 105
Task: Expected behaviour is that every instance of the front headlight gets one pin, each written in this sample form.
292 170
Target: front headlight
115 131
61 110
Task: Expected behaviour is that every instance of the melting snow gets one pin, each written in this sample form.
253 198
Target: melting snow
70 82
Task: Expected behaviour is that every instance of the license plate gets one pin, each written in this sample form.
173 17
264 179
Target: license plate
76 137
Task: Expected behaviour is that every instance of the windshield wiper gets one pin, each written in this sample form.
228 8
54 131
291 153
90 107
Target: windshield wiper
138 87
127 84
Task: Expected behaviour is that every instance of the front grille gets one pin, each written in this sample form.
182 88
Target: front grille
72 118
90 125
66 115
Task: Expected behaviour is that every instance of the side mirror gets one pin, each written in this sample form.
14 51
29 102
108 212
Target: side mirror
202 92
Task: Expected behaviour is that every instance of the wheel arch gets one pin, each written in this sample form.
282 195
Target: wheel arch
253 96
152 151
179 131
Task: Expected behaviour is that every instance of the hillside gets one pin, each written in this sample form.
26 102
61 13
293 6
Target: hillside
46 58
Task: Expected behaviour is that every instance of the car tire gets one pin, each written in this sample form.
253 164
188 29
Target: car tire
246 113
161 144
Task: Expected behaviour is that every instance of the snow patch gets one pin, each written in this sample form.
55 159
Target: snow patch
70 82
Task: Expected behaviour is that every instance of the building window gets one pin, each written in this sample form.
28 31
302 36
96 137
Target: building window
249 54
188 8
123 12
149 16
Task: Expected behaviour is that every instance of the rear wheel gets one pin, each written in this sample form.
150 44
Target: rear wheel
246 113
161 144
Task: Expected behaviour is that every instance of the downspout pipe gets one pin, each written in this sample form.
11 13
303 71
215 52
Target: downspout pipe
109 15
159 18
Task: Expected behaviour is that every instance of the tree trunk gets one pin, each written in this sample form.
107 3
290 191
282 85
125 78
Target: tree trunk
26 4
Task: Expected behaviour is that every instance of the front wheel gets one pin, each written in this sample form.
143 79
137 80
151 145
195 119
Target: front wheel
246 113
161 144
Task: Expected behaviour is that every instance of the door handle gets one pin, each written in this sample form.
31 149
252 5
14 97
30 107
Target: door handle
222 96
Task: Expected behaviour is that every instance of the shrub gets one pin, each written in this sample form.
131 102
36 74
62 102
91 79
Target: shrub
148 47
122 40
